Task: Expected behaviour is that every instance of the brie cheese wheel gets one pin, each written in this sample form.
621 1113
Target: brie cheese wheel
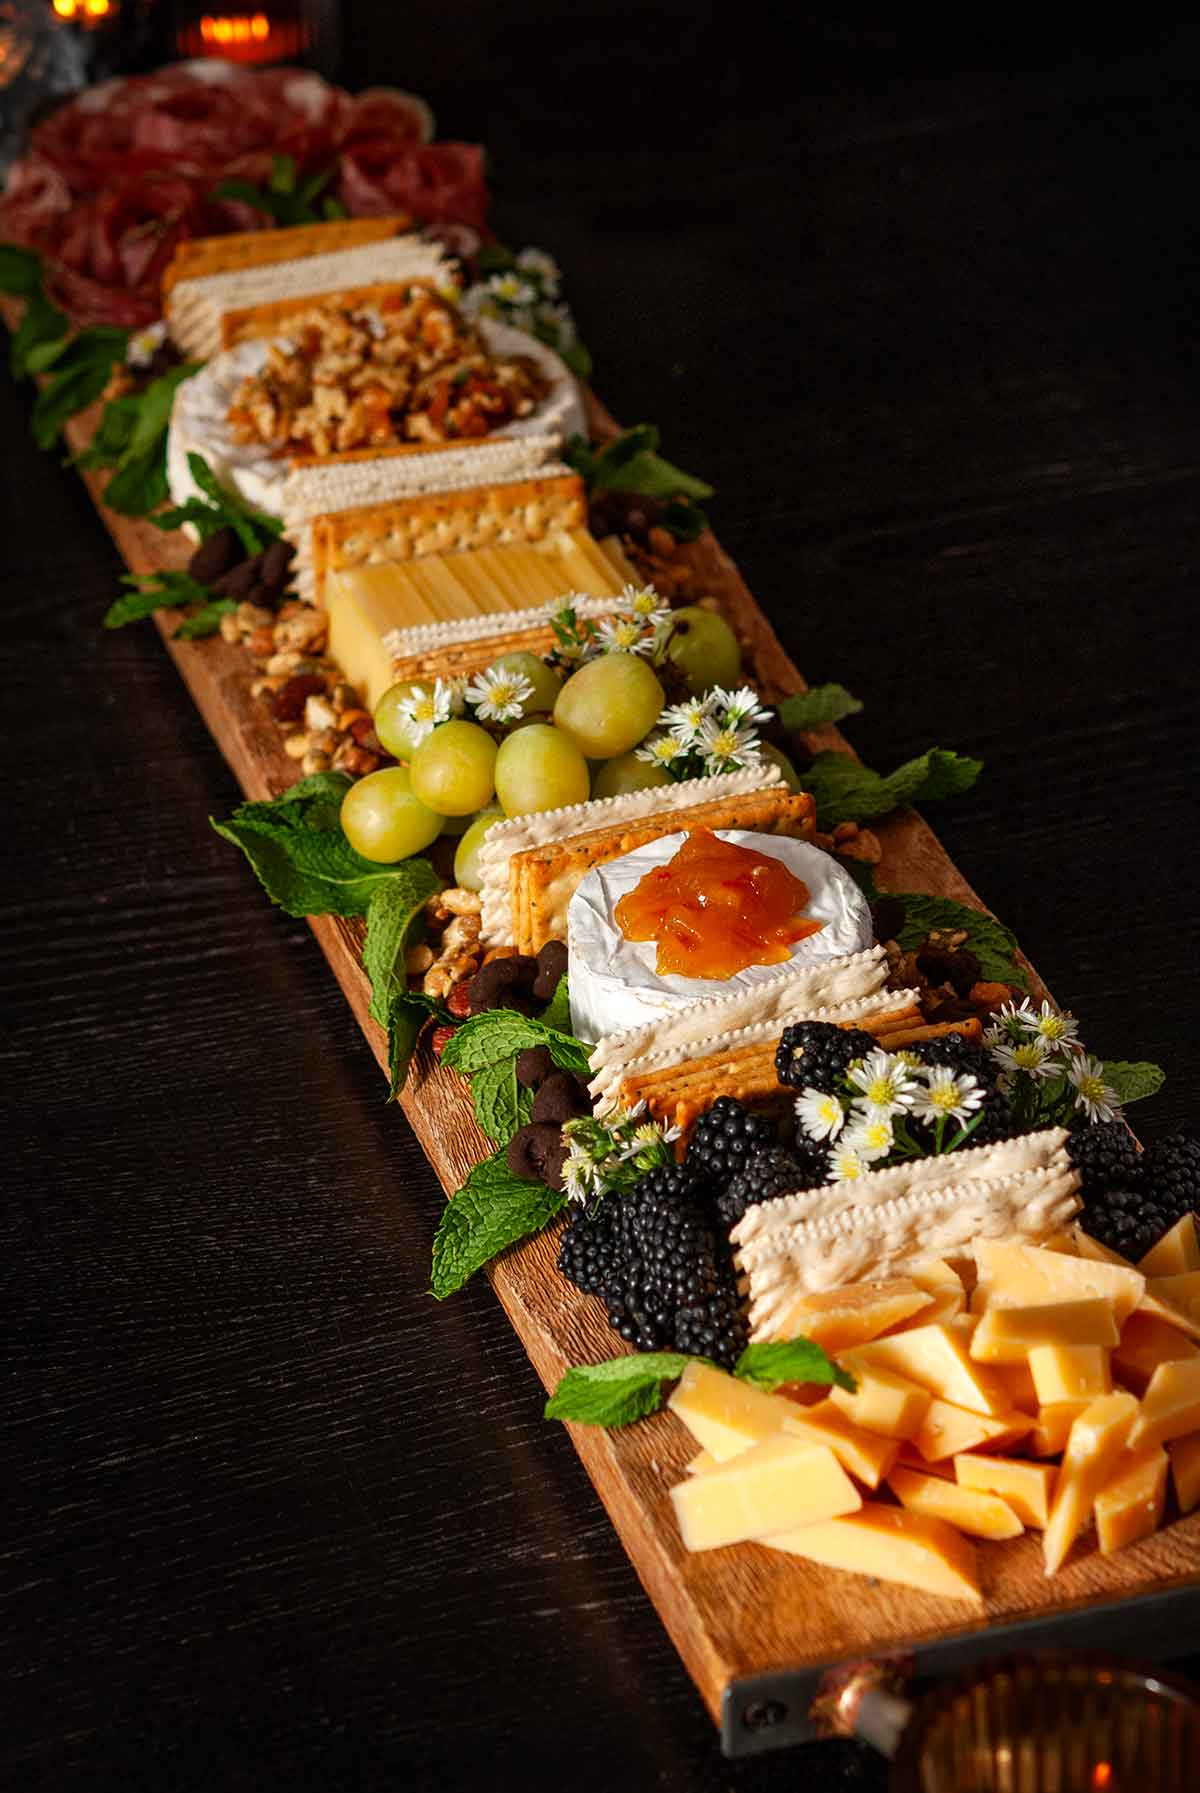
200 419
612 980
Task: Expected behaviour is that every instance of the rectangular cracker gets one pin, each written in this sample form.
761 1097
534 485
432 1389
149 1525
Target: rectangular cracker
199 256
248 322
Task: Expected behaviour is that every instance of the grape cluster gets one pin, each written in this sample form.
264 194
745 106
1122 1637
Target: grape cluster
1131 1198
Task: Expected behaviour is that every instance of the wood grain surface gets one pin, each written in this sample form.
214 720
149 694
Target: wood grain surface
278 1519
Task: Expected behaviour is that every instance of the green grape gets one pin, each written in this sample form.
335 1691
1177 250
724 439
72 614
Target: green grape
609 705
627 773
540 767
545 681
452 769
383 820
704 648
393 730
791 777
466 858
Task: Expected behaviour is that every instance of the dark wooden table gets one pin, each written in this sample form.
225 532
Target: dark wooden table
925 311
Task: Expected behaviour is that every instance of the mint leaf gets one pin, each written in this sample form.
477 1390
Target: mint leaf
255 529
148 592
501 1034
205 621
491 1211
39 338
994 945
1133 1082
407 1013
790 1360
847 791
132 439
501 1104
818 707
79 376
299 854
557 1012
20 271
631 463
617 1392
395 916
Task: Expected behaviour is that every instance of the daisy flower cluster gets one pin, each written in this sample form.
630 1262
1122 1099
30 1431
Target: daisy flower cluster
526 293
640 623
1045 1070
426 707
706 735
870 1121
609 1156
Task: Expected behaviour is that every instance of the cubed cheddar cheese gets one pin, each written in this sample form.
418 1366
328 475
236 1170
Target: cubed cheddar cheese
1176 1253
701 1463
1025 1487
973 1511
775 1486
1094 1445
882 1401
1052 1427
1017 1382
1185 1469
1145 1343
1013 1274
865 1455
947 1429
1170 1406
1005 1335
891 1544
838 1319
1180 1293
948 1297
1069 1372
937 1358
1130 1504
724 1415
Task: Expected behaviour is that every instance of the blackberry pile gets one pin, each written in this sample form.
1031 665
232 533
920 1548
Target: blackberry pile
1131 1198
817 1055
771 1171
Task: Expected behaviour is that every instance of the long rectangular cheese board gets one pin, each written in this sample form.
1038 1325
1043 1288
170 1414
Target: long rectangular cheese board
755 1628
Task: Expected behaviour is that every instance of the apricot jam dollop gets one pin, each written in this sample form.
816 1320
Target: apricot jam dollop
716 908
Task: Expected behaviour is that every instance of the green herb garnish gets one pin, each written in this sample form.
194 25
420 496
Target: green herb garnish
131 439
631 463
817 707
847 791
502 1033
491 1211
994 945
286 199
628 1388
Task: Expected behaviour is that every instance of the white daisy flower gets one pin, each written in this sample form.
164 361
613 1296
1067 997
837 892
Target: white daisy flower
541 267
1097 1099
737 707
724 746
871 1137
477 302
947 1097
622 635
561 321
661 750
510 289
885 1082
1031 1056
1055 1028
821 1116
143 345
685 720
846 1163
422 710
1014 1022
581 1179
499 695
644 602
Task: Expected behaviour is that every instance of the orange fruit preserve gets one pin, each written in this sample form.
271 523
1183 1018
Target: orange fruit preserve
716 908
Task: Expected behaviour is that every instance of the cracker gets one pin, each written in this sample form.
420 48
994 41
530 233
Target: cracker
199 256
250 322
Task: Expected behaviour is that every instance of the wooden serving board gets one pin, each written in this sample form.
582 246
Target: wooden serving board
756 1629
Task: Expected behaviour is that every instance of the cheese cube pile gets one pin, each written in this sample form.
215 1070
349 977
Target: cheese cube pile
1051 1387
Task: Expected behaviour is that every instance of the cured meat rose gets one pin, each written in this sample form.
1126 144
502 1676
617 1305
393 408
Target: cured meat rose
386 112
112 249
437 182
36 200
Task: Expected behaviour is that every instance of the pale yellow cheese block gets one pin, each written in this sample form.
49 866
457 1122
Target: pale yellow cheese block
945 1287
947 1429
865 1455
936 1358
1150 1302
1185 1469
1170 1406
1026 1487
701 1463
1094 1445
838 1319
1069 1372
1176 1253
891 1544
774 1486
882 1401
1013 1274
1005 1334
1179 1294
1146 1342
1130 1504
1052 1428
724 1415
978 1514
1018 1385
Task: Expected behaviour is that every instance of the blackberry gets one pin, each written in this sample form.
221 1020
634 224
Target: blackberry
1131 1198
817 1055
769 1172
714 1328
1171 1168
1127 1221
722 1138
1106 1157
592 1252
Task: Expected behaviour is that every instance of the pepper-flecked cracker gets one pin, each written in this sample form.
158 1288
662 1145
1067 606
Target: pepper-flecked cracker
199 256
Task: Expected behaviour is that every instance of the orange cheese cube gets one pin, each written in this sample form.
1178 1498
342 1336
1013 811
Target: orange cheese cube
978 1514
774 1486
891 1544
838 1319
1094 1445
1185 1469
1130 1504
701 1463
1016 1380
1052 1427
1170 1406
1176 1253
1025 1487
1013 1274
1069 1372
882 1402
1176 1299
1005 1335
948 1297
724 1415
937 1358
947 1429
1146 1342
865 1455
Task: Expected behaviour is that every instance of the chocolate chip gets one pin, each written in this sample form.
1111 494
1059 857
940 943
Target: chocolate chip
216 557
275 565
239 582
551 966
534 1065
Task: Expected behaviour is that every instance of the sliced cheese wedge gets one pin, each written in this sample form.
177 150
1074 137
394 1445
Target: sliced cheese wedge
1094 1445
1170 1406
1130 1504
1176 1253
1052 1427
946 1430
978 1514
1013 1274
724 1415
1026 1487
882 1401
839 1319
1006 1334
891 1544
1185 1469
1180 1294
1069 1372
944 1285
701 1463
865 1455
1146 1342
775 1486
1150 1303
936 1358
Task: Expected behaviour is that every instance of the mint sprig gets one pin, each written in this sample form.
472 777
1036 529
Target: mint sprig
500 1034
1133 1080
994 945
557 1012
395 922
818 707
168 589
131 439
491 1211
631 463
286 199
847 791
219 508
770 1364
624 1389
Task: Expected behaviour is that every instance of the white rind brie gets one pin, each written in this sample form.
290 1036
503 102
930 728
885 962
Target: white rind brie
613 982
